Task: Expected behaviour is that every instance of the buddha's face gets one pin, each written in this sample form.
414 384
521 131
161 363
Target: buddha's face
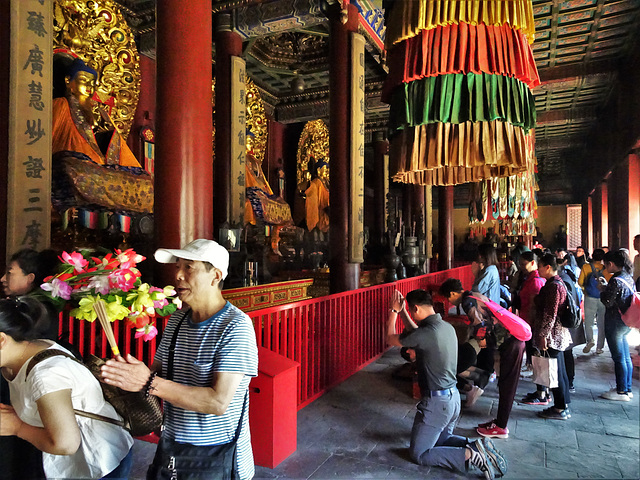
82 85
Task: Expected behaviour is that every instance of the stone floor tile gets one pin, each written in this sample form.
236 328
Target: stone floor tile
628 466
591 442
552 432
340 466
520 452
587 464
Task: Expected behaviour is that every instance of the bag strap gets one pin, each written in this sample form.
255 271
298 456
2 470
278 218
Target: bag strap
244 406
43 355
172 346
630 285
172 350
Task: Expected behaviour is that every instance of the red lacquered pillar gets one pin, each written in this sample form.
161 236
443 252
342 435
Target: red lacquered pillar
445 228
344 275
228 45
183 207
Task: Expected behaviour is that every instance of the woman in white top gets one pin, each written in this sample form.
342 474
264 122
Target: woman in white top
43 402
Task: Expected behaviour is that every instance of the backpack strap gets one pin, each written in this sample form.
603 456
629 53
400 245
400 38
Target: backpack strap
630 285
43 355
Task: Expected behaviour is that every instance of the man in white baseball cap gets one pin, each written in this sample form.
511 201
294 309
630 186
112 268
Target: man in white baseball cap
206 392
201 250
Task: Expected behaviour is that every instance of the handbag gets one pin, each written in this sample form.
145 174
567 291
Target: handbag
545 370
185 461
515 325
142 415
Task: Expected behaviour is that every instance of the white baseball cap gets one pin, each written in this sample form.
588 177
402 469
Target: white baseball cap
200 249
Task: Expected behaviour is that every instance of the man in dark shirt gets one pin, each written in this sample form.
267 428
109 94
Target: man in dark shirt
434 341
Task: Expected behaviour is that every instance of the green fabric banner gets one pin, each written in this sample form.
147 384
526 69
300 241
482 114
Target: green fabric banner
458 98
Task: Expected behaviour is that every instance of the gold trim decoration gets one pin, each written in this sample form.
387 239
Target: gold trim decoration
314 142
96 31
255 118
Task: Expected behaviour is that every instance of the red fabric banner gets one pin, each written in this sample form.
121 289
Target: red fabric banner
461 48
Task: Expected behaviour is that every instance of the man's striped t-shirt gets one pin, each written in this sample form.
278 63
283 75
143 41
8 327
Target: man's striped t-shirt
225 342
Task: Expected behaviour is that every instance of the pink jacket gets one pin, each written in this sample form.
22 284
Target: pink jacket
530 289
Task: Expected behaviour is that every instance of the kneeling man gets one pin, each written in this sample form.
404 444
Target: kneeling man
434 341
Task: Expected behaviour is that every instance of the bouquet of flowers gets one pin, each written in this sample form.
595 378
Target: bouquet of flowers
109 288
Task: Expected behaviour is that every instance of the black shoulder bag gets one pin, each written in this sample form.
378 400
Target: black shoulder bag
175 460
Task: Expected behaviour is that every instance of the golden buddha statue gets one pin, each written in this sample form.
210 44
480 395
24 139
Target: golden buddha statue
92 164
317 204
82 125
261 202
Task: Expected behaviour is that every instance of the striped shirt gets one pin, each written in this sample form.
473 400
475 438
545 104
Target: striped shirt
225 342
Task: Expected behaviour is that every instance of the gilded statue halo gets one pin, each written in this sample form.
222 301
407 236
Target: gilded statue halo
96 32
256 119
314 142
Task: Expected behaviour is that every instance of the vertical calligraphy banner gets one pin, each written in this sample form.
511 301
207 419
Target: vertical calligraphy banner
238 141
29 172
356 212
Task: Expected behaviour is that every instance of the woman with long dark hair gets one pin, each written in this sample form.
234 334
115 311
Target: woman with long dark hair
616 296
44 395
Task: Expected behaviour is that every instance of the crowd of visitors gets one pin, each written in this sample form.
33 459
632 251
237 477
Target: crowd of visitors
541 289
207 357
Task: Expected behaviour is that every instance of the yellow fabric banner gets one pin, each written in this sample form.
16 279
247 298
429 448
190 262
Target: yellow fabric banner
408 17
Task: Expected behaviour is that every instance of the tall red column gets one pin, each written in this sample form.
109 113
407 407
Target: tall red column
445 228
228 44
344 275
604 203
184 173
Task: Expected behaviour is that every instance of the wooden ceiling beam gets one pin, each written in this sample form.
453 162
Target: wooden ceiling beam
566 116
570 75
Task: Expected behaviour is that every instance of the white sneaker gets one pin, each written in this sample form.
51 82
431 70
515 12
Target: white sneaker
473 395
587 348
599 351
614 395
630 394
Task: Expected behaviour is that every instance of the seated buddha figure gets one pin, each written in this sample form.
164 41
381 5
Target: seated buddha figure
317 204
92 164
261 203
82 125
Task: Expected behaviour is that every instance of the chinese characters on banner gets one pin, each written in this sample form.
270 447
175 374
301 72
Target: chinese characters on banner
356 213
29 178
238 141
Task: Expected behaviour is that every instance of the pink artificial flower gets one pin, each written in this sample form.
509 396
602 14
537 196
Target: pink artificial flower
129 258
147 332
75 259
58 288
122 279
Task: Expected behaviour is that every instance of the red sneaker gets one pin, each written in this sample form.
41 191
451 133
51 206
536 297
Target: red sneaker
493 431
487 424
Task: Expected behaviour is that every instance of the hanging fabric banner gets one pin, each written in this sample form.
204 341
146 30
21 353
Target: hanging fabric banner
238 142
29 169
356 212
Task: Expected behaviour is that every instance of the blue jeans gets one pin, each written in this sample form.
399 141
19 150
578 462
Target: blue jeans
432 439
616 333
122 471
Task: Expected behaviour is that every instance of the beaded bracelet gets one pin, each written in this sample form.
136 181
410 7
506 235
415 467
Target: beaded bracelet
147 387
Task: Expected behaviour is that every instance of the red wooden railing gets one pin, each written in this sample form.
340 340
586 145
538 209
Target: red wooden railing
332 337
